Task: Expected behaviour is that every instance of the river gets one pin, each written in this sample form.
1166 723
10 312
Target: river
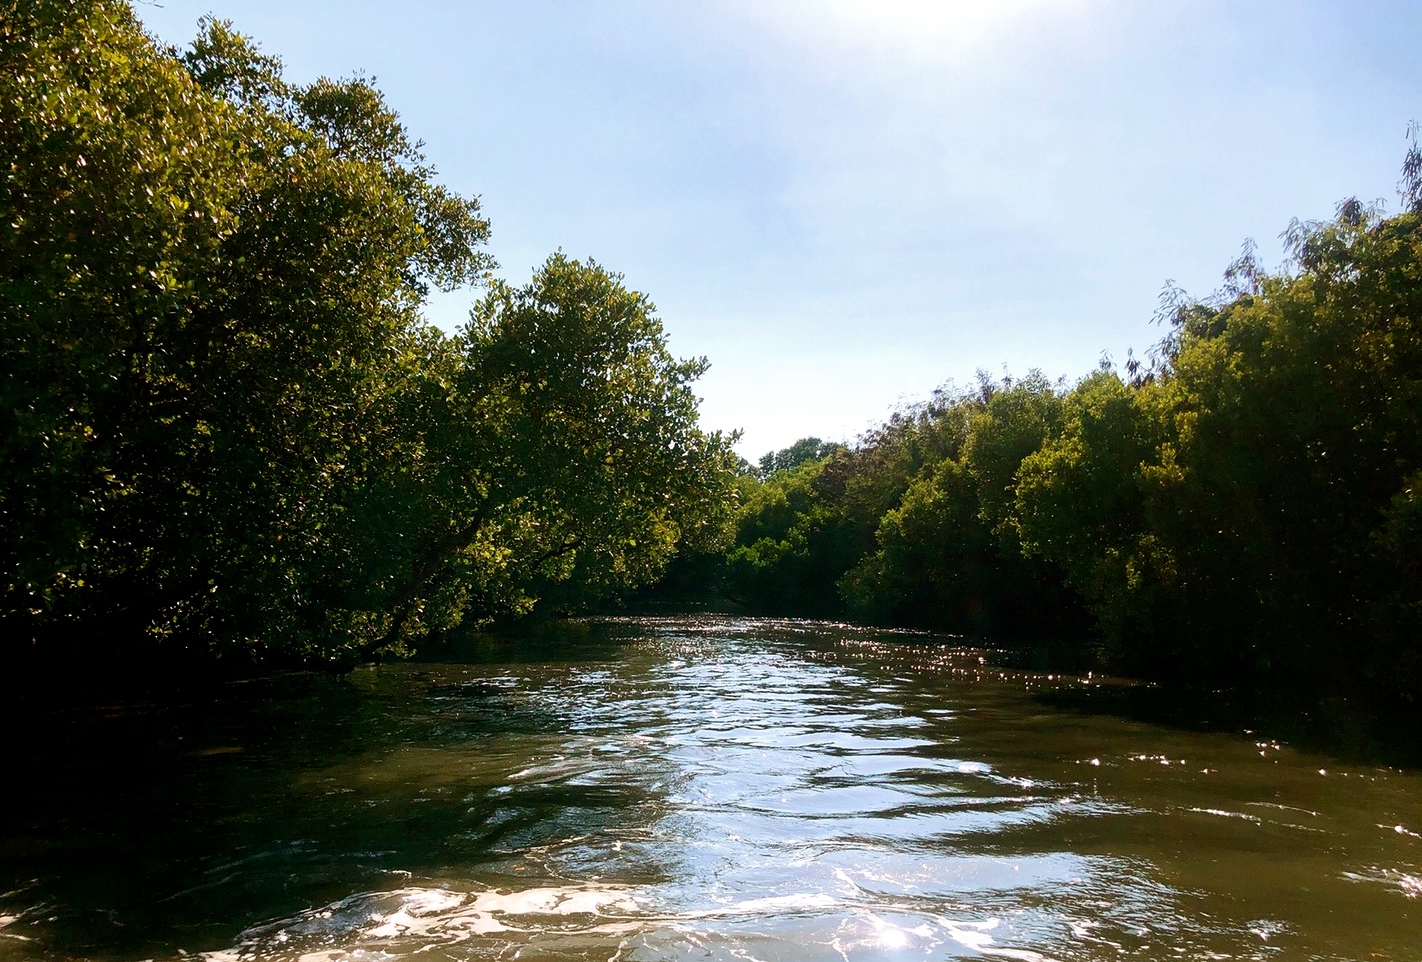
698 787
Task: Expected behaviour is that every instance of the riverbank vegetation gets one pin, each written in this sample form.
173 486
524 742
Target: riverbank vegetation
228 435
1241 508
226 432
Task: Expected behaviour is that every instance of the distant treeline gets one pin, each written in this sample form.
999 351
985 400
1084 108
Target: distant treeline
1241 507
226 431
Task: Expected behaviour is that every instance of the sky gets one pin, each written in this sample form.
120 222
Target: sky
845 205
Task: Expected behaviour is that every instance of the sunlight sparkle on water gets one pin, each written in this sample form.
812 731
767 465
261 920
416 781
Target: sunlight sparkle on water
623 799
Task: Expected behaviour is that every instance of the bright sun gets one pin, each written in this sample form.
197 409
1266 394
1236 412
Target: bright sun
938 17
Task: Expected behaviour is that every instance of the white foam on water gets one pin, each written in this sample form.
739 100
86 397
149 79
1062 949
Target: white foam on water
386 925
974 936
1409 885
1221 813
772 905
392 925
408 917
6 920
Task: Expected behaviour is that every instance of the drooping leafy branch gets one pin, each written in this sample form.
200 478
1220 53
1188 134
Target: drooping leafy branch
224 424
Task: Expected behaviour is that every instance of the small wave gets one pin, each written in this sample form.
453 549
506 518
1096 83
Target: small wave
414 919
974 936
1221 813
5 922
1409 885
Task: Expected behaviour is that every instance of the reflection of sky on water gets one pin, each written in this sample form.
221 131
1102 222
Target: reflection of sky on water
775 791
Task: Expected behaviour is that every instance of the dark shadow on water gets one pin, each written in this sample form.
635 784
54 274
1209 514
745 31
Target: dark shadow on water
1063 655
140 825
1344 729
534 641
1357 730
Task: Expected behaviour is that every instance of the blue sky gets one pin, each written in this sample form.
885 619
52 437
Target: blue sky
845 204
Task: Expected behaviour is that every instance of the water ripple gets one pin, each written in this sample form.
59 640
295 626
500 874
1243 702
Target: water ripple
721 788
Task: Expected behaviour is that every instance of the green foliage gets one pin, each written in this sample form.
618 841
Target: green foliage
1299 425
1241 510
804 528
891 457
224 424
803 450
225 428
793 543
929 566
1240 514
897 530
948 555
1015 422
1079 501
585 429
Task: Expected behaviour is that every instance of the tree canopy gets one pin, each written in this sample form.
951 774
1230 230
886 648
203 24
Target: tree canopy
225 426
1238 509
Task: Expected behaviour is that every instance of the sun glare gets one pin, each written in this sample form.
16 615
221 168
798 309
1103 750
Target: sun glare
916 30
950 23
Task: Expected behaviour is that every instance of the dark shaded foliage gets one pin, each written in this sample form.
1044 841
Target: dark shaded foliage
226 431
1240 509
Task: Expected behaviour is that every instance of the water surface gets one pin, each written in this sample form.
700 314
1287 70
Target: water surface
690 788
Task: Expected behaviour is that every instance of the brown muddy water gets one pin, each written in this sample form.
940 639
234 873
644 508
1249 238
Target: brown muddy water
689 788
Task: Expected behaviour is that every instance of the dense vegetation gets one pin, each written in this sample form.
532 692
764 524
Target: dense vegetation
225 429
1244 508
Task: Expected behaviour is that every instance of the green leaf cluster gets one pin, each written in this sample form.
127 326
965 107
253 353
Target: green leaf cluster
1241 510
909 527
225 427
